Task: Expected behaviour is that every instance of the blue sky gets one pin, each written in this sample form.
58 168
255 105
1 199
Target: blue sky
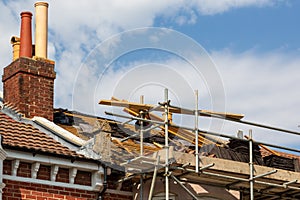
254 45
265 29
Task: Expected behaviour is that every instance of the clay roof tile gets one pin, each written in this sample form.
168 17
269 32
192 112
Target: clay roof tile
20 135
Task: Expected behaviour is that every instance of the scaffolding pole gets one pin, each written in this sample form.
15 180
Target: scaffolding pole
251 168
219 116
134 118
153 178
243 121
203 131
141 144
141 187
232 137
194 171
166 106
251 180
183 186
247 180
141 128
196 133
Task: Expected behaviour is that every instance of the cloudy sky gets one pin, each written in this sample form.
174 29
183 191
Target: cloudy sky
242 55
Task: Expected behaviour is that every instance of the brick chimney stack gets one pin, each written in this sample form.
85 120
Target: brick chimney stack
28 82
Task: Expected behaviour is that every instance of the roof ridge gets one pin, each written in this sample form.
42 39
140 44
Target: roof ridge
61 132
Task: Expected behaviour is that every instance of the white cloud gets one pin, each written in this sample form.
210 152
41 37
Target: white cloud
8 28
82 25
262 86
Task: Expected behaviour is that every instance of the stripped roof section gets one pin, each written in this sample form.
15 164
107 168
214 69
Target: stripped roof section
24 136
125 143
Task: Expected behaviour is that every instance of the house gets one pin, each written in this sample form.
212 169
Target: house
49 153
39 159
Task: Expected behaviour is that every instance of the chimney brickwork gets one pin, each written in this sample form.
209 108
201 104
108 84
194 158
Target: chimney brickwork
28 85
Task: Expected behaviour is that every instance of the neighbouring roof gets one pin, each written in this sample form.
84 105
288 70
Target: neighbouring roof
22 136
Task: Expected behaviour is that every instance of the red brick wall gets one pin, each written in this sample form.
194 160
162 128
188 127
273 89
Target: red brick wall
62 175
28 85
83 178
15 190
44 172
24 170
7 167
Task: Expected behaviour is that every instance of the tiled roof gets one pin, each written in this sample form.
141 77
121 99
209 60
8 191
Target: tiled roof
266 153
20 135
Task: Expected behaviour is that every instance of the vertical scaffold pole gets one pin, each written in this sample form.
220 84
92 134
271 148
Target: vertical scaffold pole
141 128
166 106
154 178
251 180
141 144
196 132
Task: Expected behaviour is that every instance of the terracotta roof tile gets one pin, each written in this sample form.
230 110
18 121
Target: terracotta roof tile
266 153
20 135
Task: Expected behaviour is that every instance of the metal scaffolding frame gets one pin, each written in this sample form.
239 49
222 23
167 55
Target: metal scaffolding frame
202 169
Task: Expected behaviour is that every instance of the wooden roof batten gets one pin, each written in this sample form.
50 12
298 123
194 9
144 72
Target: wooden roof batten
229 175
172 109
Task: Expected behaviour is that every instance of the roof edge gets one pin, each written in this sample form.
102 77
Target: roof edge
58 131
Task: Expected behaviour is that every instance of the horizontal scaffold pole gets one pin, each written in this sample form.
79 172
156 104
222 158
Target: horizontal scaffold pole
202 132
